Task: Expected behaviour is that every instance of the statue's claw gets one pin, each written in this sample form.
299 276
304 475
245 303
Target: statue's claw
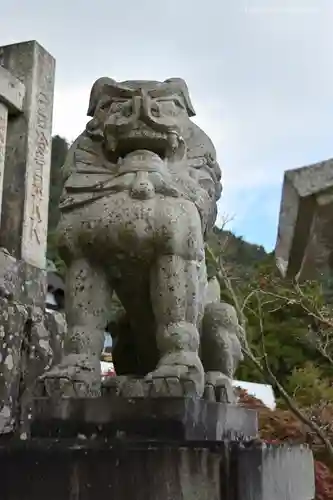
171 387
152 386
74 377
177 375
64 387
218 387
127 386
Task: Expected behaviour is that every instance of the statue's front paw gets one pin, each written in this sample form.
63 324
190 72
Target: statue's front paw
75 376
177 375
218 387
170 386
64 386
126 386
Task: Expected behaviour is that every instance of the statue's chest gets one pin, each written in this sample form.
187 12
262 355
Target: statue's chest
120 223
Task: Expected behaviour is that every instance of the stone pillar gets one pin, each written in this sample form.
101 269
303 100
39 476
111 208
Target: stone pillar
24 211
305 239
12 93
274 472
26 103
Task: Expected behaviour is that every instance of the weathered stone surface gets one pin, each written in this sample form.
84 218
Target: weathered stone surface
55 324
36 357
12 91
21 281
13 336
305 239
45 333
275 473
30 342
88 470
167 418
23 230
140 194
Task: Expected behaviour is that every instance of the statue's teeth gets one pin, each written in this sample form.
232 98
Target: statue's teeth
173 141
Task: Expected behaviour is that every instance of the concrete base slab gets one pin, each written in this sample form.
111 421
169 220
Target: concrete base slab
275 473
86 469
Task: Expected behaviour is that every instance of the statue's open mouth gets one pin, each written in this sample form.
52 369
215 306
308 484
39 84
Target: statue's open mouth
166 144
140 139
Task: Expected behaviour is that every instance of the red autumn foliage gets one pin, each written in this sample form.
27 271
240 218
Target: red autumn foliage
281 425
324 481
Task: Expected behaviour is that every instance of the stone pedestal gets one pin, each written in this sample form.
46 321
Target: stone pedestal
153 470
154 418
77 470
149 449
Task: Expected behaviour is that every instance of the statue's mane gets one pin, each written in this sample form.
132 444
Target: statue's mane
87 169
109 87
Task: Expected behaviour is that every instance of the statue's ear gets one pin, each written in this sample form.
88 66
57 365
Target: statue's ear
181 88
97 91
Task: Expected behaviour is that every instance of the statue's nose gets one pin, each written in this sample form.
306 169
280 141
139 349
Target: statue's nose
144 103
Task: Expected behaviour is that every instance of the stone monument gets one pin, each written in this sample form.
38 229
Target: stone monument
305 239
141 187
140 195
26 102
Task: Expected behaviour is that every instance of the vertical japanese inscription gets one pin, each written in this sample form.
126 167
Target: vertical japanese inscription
3 136
39 113
41 156
3 130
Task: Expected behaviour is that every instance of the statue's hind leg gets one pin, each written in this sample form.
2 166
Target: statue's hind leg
220 350
87 303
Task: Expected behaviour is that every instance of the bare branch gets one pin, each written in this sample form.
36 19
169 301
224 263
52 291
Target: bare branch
265 369
225 219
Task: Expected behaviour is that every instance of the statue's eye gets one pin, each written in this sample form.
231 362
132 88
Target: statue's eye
117 106
105 105
155 111
178 103
127 110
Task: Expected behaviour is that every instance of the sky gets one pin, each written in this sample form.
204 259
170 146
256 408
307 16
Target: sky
260 75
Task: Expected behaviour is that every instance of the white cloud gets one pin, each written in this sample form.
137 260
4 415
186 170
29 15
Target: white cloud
69 112
259 72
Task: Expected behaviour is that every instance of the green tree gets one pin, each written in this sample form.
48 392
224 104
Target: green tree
286 320
58 154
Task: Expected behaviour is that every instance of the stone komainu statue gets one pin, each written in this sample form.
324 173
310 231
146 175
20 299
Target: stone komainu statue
140 194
